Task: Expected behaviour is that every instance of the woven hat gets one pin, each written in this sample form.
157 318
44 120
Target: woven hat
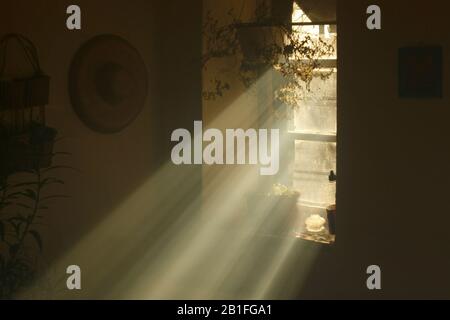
107 83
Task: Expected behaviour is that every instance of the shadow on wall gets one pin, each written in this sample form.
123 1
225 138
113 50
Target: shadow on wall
115 167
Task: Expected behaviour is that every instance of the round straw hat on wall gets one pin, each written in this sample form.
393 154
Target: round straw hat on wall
107 83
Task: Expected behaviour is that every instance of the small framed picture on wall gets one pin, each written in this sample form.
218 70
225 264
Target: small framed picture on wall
420 72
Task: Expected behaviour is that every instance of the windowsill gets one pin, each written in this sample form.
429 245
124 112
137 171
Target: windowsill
242 230
323 237
313 136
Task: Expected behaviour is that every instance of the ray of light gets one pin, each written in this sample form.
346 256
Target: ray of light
158 244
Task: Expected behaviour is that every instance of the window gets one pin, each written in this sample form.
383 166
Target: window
313 129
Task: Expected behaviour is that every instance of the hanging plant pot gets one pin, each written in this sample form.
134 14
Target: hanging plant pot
281 11
319 11
26 144
259 44
23 92
12 94
30 150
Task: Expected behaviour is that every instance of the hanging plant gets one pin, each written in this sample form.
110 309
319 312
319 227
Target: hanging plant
300 64
26 146
26 140
281 11
267 44
220 41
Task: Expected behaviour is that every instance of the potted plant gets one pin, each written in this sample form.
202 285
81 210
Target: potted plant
26 145
22 207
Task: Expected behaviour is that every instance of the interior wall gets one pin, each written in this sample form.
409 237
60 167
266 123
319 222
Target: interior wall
112 166
239 106
236 108
104 161
392 156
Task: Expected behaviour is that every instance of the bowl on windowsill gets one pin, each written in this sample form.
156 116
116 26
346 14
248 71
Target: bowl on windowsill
315 223
315 230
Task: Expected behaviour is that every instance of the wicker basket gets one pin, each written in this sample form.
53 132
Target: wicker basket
23 92
26 142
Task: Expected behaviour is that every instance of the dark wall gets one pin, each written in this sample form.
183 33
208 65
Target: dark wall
392 154
392 161
113 166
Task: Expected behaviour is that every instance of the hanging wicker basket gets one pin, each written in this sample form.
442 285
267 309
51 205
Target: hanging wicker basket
26 142
22 92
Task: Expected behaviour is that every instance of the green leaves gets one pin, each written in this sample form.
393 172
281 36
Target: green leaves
5 204
61 153
25 206
58 167
37 237
21 210
24 184
16 223
30 193
13 195
19 218
48 181
56 196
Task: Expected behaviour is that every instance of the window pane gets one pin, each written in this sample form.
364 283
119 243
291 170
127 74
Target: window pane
315 156
313 162
317 110
315 189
